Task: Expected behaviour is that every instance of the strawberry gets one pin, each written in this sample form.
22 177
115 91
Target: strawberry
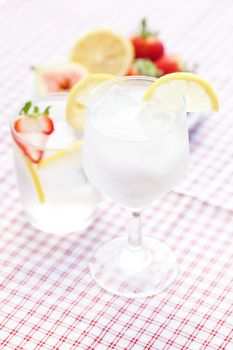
169 64
42 123
32 128
35 122
32 152
147 44
143 67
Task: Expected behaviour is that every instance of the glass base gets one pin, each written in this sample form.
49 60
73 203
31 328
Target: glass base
59 227
134 272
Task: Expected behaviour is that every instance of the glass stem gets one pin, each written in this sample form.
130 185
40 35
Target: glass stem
135 234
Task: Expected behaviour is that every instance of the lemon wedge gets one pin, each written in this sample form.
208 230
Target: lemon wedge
77 99
103 51
74 147
198 94
36 180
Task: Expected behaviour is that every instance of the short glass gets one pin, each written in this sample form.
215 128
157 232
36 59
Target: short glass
56 194
134 169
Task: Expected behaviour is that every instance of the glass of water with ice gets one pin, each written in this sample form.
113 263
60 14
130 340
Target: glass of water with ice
135 154
55 192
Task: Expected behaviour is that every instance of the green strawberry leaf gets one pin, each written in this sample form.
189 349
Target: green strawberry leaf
46 111
25 109
36 110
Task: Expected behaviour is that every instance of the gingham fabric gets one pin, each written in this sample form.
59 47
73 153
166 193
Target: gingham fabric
48 299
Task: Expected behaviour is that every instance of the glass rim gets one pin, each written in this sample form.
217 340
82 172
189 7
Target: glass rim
131 78
41 98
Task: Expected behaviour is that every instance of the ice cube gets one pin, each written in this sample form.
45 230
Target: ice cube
112 101
155 122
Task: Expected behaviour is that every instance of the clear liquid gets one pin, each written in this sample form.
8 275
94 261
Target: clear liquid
131 153
71 200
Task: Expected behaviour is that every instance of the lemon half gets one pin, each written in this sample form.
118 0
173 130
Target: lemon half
103 51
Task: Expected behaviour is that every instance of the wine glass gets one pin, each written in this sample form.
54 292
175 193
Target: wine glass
134 152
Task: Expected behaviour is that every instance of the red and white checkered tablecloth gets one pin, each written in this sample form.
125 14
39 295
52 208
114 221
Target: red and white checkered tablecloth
47 297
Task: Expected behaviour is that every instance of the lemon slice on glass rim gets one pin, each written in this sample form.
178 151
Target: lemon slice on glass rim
77 99
167 91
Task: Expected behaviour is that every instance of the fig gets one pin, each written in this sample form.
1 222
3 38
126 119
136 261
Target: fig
58 78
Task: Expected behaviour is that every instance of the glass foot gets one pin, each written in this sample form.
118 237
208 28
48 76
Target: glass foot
134 272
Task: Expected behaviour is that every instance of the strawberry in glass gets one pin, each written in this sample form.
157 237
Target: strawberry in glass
31 126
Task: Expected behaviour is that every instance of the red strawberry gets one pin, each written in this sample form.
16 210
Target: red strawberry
29 124
33 129
147 44
169 64
36 122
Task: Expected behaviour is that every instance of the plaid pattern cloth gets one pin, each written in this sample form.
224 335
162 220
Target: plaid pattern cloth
47 297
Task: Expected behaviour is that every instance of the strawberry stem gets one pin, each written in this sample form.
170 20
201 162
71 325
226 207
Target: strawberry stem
144 32
143 29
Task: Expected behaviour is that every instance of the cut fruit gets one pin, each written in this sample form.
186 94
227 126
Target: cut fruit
59 77
77 99
31 144
168 91
36 180
31 130
76 146
103 51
